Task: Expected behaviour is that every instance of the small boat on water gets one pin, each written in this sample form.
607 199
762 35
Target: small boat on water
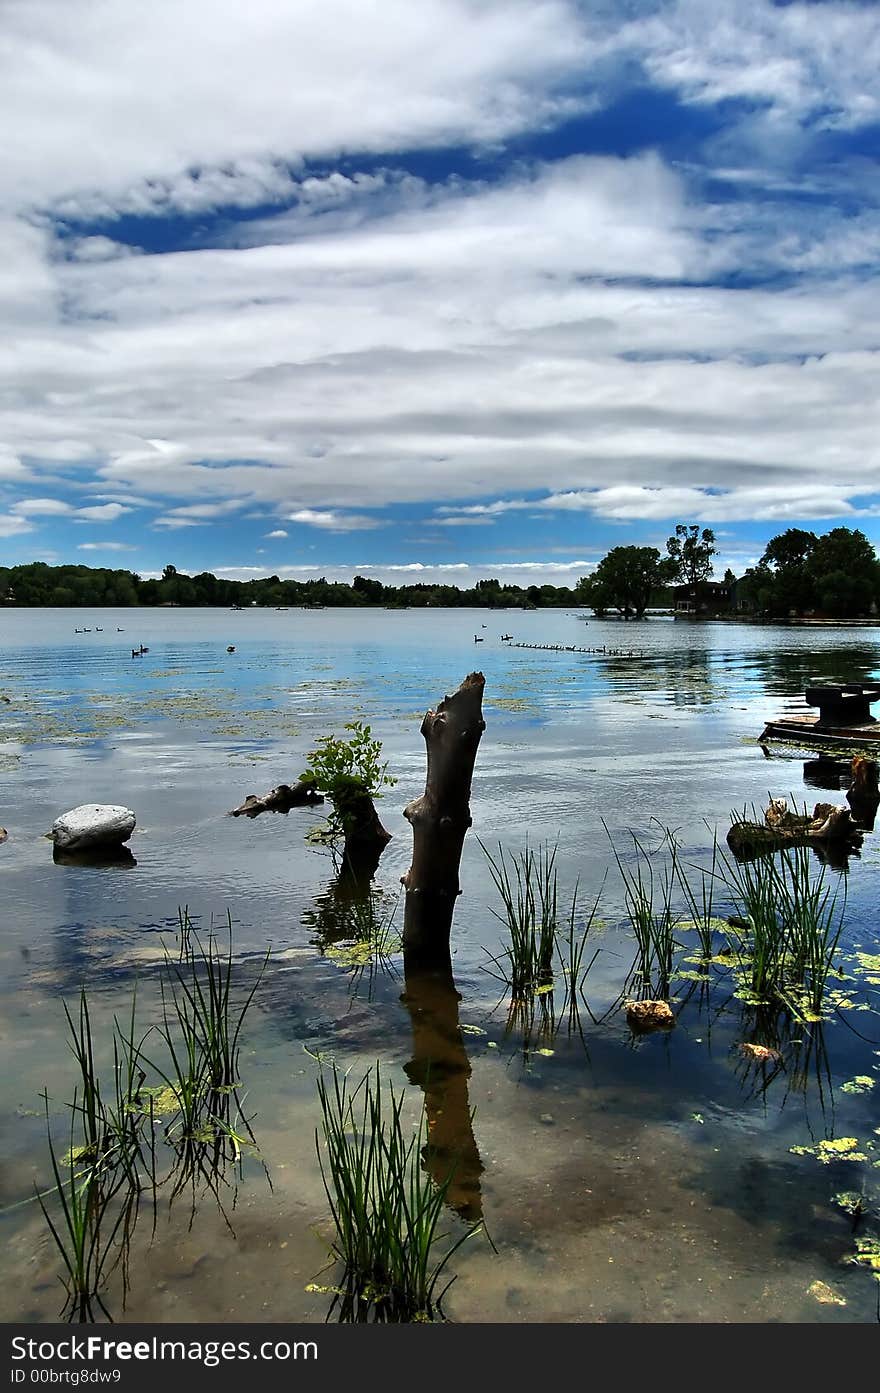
844 718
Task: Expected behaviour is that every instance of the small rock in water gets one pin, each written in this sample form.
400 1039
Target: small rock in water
649 1015
3 834
761 1052
92 824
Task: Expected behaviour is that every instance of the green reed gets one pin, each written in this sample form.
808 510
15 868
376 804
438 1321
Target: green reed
385 1208
649 894
788 920
86 1222
527 883
112 1154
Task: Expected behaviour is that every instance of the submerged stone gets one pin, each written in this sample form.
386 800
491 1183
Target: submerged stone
649 1015
92 824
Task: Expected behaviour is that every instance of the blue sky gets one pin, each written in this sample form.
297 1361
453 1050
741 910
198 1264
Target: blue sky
443 290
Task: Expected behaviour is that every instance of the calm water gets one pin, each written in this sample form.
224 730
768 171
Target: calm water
620 1179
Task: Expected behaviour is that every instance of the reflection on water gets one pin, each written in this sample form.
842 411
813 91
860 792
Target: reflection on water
583 1149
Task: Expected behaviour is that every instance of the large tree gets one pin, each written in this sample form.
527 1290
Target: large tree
786 583
844 572
690 553
624 580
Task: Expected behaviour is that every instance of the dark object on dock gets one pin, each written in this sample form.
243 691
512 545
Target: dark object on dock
826 826
278 800
478 640
505 637
844 703
844 717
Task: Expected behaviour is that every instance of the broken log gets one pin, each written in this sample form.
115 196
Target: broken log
827 825
278 800
441 817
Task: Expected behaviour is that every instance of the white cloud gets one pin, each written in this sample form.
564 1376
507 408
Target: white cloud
100 512
155 93
803 60
13 526
460 573
388 341
279 532
331 521
41 507
57 507
105 546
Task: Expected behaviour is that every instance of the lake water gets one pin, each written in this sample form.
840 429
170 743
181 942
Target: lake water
620 1178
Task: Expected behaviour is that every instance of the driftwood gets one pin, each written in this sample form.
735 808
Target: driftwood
441 817
278 800
828 825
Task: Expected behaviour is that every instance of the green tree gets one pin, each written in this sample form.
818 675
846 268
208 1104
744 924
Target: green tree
844 572
624 580
690 554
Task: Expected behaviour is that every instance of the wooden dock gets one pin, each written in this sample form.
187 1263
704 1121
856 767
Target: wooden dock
844 718
807 730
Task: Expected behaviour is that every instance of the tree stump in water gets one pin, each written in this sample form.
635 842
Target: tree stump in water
441 817
828 825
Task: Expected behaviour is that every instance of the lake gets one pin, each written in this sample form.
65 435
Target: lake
619 1177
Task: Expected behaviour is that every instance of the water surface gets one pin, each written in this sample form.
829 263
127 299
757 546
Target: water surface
620 1179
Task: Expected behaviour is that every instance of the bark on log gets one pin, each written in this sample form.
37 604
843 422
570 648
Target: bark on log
441 817
278 800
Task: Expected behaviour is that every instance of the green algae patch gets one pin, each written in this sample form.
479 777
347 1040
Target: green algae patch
862 1083
867 1255
841 1149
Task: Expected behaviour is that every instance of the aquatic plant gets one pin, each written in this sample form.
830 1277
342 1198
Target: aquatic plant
111 1158
385 1208
348 772
85 1221
787 921
527 884
648 899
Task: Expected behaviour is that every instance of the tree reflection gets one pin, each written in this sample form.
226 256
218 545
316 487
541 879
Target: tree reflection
441 1069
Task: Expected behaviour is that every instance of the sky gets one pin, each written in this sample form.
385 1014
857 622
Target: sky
435 291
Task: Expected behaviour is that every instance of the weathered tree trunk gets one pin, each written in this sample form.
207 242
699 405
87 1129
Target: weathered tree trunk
441 817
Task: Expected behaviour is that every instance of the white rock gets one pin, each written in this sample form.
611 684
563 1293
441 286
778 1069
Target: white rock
92 824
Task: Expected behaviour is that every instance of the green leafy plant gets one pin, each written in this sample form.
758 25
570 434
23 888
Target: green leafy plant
347 771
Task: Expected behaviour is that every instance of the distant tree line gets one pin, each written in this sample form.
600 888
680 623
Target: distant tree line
38 584
836 575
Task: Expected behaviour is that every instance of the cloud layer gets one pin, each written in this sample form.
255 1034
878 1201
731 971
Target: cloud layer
683 330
